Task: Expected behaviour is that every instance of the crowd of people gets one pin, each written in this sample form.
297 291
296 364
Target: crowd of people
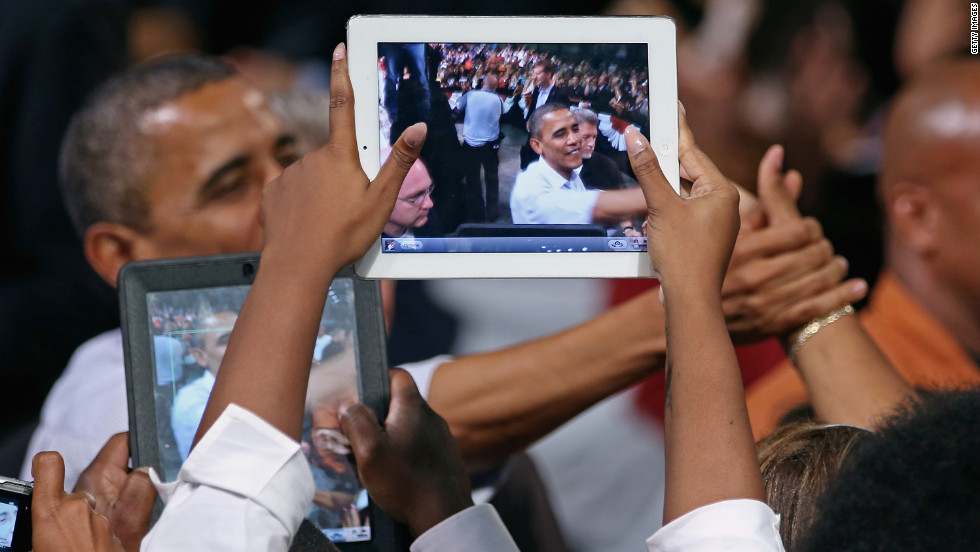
606 80
867 416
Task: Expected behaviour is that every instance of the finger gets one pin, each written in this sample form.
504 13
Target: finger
360 425
793 182
48 469
403 155
809 284
130 514
771 241
342 134
750 212
773 271
646 167
112 459
847 292
779 204
694 161
769 304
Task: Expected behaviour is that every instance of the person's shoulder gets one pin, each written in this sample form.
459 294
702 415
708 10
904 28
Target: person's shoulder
95 360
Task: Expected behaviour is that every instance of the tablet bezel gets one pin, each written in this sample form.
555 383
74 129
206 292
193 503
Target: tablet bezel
137 279
364 33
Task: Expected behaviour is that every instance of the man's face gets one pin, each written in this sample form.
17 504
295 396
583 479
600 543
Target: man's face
214 151
541 78
573 81
958 196
588 133
217 330
414 201
560 142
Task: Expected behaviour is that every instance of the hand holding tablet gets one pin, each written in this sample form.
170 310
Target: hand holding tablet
525 162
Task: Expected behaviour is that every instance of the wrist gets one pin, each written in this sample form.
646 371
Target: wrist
796 340
299 265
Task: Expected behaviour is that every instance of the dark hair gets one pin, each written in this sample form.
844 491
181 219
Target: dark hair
103 155
546 65
535 123
913 485
798 461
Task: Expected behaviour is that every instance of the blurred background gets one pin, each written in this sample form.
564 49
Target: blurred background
814 75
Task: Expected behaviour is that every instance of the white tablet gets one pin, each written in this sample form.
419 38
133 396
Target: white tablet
524 172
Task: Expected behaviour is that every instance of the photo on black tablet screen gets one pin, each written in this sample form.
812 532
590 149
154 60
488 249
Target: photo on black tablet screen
8 521
523 141
190 330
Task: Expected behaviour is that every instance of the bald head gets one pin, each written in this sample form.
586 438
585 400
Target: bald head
934 124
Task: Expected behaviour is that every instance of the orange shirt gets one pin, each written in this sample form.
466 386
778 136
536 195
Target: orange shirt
917 345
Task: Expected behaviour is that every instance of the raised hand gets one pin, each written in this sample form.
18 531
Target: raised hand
324 202
412 466
690 239
783 271
124 497
65 522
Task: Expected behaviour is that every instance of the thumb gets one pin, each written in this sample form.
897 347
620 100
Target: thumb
48 469
360 424
130 514
403 155
777 201
646 167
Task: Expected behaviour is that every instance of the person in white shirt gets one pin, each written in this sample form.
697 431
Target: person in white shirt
550 190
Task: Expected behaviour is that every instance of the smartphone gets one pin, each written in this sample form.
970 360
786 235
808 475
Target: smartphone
15 514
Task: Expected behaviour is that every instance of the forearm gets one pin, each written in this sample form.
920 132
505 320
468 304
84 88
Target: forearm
710 455
616 205
498 403
267 364
847 377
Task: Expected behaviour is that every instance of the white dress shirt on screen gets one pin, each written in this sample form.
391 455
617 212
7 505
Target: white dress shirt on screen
542 196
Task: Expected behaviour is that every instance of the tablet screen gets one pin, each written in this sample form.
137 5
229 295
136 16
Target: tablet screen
8 521
494 176
190 330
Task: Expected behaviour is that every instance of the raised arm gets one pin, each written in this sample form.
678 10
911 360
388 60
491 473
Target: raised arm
616 205
848 379
320 198
497 403
710 454
782 274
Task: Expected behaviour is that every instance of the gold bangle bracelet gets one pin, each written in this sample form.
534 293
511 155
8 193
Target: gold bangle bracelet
806 332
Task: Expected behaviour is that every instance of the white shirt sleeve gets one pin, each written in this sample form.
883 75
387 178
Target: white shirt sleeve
741 525
422 371
476 529
246 486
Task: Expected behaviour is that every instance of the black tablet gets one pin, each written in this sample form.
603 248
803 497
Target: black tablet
177 315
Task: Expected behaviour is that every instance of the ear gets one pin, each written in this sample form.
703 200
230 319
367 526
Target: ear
536 145
108 246
913 216
199 356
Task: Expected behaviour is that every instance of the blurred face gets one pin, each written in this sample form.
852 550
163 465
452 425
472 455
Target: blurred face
958 196
215 341
560 142
588 133
541 78
413 203
215 149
